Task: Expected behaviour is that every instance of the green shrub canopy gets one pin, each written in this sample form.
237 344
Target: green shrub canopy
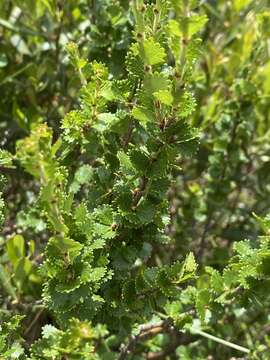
135 162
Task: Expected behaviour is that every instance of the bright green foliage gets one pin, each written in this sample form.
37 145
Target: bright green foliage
122 243
10 341
5 158
76 343
124 206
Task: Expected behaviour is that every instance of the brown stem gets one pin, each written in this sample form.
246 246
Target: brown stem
131 103
138 195
128 135
202 244
177 340
150 330
146 331
34 321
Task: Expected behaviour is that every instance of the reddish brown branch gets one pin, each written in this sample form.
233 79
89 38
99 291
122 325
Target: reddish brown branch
150 330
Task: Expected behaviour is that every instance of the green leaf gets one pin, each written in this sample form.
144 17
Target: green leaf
82 176
105 121
174 28
139 160
143 114
83 220
202 302
264 221
22 271
16 249
240 4
155 82
49 5
190 265
49 330
6 283
152 52
129 292
164 96
216 279
3 60
196 23
125 162
105 224
97 274
188 104
187 26
63 246
6 159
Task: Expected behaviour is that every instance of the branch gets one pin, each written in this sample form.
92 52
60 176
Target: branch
150 330
177 340
128 135
132 103
146 331
223 342
202 244
140 191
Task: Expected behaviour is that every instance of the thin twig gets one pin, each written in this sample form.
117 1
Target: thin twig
150 330
128 135
146 331
202 244
140 192
131 102
38 314
223 342
177 340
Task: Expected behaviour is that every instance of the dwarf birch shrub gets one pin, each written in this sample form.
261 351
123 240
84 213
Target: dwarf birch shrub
110 272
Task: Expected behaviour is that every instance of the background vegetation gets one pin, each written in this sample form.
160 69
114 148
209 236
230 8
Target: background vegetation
218 190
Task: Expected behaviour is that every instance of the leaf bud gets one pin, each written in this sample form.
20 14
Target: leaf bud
136 191
143 8
177 74
114 226
147 68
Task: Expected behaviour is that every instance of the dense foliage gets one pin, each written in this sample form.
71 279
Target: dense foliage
135 161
